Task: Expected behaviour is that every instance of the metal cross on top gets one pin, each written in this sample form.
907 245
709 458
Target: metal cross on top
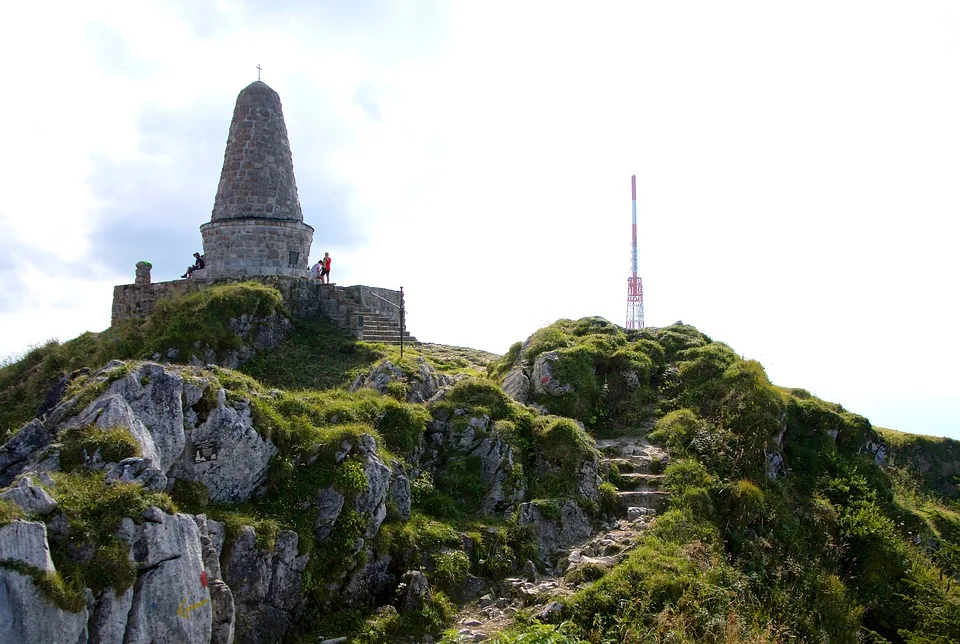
258 71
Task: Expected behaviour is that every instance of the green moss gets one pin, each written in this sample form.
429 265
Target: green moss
94 510
9 511
450 570
483 394
200 320
191 496
402 425
52 585
83 443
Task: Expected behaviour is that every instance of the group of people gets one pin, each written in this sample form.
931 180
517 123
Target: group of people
321 269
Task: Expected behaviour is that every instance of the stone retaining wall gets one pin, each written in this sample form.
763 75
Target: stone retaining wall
304 297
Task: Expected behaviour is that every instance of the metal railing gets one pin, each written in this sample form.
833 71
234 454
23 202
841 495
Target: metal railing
402 312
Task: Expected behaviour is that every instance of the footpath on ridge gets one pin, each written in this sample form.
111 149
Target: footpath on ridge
639 498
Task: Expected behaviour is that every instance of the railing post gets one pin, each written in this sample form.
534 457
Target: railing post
401 322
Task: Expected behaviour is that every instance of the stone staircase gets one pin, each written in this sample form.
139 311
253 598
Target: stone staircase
639 465
364 321
639 498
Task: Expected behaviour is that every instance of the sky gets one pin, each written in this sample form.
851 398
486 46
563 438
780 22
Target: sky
797 169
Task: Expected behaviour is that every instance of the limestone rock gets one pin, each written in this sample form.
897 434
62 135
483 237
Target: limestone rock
379 377
265 585
27 616
31 498
26 542
171 598
109 622
242 455
542 377
572 527
155 397
400 494
370 580
329 503
13 455
414 592
516 384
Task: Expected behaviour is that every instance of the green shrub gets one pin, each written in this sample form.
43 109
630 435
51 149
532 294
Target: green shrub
402 425
481 393
82 443
451 569
9 511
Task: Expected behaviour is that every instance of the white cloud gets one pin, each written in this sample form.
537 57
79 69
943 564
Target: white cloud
796 166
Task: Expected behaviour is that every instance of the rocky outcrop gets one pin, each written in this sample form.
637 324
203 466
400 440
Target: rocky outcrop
167 412
516 384
242 455
468 436
423 386
565 525
15 453
30 497
265 586
542 378
171 597
26 615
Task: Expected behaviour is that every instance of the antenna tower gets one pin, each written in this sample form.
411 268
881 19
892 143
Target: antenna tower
634 283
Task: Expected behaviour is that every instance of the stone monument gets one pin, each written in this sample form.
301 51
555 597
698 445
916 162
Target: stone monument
257 226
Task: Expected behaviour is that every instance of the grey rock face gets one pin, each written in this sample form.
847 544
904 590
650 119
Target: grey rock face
31 498
381 375
368 580
26 542
243 456
13 455
775 466
516 384
542 378
414 591
552 535
171 598
400 494
154 396
373 500
109 622
25 614
265 585
329 503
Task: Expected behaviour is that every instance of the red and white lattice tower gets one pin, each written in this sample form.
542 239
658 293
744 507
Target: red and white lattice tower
634 283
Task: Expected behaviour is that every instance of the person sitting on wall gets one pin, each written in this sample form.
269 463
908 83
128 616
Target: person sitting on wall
325 271
316 268
197 265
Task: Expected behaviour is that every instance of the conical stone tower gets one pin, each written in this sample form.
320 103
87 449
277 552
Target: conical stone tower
257 227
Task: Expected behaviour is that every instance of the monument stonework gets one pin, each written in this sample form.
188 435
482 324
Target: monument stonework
257 232
257 226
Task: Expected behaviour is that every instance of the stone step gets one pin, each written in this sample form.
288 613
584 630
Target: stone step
654 499
642 479
635 464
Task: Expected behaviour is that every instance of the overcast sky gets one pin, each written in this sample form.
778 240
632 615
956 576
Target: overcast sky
797 169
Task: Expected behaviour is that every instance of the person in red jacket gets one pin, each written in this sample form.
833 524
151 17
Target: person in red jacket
325 269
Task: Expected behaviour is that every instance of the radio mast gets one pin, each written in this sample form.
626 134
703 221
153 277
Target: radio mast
634 283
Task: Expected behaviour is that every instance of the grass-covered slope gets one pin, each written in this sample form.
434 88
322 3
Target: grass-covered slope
781 526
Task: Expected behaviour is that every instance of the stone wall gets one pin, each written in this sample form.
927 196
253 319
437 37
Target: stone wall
304 297
243 247
257 177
